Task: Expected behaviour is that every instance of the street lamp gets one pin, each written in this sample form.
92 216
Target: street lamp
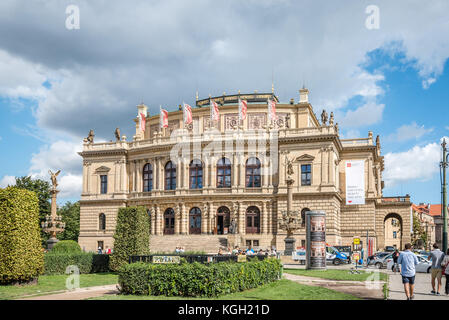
443 166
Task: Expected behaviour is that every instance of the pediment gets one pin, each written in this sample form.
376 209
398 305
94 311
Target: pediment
305 157
102 169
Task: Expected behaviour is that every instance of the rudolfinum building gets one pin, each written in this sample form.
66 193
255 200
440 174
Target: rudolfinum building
220 178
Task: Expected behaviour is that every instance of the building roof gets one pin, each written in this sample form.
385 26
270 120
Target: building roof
421 208
435 210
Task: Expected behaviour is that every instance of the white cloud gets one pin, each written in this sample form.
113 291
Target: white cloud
60 155
7 181
418 163
351 134
368 114
408 132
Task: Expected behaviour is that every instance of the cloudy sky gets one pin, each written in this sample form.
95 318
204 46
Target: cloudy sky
57 83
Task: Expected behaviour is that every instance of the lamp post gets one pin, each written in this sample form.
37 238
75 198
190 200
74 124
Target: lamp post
443 166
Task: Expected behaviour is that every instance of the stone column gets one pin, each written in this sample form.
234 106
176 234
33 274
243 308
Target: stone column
116 177
124 177
235 171
153 220
186 182
323 168
178 219
264 218
157 223
205 173
204 219
331 172
212 217
132 170
370 177
241 218
85 164
270 216
282 168
241 166
184 219
213 176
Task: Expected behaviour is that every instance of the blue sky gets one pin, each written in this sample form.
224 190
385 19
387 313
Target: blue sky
57 84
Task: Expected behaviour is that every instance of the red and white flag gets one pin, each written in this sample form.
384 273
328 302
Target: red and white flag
163 117
243 107
272 110
214 113
187 114
142 121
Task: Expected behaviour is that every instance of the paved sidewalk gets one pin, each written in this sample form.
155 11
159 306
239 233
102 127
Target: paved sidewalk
360 289
422 287
78 294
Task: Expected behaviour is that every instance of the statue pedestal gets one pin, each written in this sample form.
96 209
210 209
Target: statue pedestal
51 242
289 246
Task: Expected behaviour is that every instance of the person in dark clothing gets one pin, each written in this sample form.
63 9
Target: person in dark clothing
395 260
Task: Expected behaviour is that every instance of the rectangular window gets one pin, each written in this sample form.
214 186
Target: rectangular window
104 184
248 243
255 243
306 174
395 235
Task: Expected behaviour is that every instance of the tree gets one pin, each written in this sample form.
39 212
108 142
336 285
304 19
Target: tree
132 235
70 213
21 254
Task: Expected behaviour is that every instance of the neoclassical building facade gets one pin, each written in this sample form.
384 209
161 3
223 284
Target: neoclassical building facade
223 183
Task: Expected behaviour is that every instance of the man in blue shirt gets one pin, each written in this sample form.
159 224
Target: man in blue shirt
408 260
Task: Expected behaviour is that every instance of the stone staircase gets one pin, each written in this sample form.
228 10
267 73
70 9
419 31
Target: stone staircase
206 243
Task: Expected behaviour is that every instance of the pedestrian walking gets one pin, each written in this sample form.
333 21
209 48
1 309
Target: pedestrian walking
395 260
445 265
436 256
408 260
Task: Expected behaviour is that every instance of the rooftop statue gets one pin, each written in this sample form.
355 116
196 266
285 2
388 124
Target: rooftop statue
324 117
117 134
331 120
90 137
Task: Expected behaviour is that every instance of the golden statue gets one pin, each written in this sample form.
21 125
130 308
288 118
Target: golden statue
53 178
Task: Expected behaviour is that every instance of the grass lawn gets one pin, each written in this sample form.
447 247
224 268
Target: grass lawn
334 274
55 283
279 290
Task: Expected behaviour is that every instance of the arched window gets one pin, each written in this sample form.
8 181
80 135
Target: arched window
195 221
253 173
252 220
223 220
169 221
196 174
102 222
303 217
170 176
147 177
224 173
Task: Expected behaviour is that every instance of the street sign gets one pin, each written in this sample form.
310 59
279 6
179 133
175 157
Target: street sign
357 241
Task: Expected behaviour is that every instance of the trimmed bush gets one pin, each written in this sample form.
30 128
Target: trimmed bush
131 237
196 279
87 262
21 255
66 246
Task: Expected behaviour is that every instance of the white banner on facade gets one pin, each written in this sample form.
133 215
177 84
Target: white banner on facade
355 182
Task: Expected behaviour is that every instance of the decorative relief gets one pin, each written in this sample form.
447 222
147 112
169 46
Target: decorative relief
281 122
207 123
257 120
231 121
153 128
172 125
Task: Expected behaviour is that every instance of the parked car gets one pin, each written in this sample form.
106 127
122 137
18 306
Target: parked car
335 256
390 249
382 262
347 250
423 265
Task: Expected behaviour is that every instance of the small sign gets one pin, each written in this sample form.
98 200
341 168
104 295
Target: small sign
241 258
357 241
166 259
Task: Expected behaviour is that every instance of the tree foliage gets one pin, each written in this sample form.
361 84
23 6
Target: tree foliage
70 213
21 254
42 189
132 235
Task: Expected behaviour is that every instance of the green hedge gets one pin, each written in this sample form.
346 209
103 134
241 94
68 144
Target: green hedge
132 235
195 279
87 262
21 255
66 246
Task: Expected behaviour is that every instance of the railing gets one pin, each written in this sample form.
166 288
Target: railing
396 199
201 258
357 142
183 135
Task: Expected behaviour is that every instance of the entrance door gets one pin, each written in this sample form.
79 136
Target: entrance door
169 221
223 220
